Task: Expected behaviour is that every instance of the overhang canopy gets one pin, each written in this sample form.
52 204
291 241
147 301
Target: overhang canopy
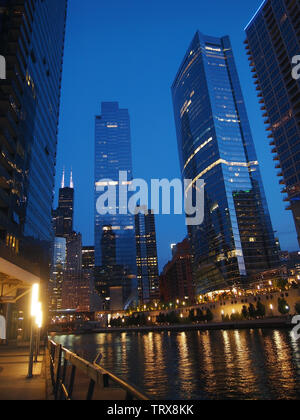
12 279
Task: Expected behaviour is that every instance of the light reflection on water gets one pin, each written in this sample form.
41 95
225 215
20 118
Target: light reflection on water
255 364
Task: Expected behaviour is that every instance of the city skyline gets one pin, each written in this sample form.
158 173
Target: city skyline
119 86
152 271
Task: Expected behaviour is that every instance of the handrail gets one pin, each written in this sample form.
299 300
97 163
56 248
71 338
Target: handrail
62 358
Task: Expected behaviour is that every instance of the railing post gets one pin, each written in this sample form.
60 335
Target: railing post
62 381
72 380
90 390
59 348
105 381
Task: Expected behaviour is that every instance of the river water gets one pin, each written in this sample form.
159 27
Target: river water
241 364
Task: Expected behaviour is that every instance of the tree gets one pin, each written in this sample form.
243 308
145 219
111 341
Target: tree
209 315
281 283
260 309
283 306
200 316
245 312
191 315
252 311
297 308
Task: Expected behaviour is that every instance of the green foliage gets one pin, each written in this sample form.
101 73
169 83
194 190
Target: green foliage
237 317
200 316
209 316
260 310
245 312
225 318
283 306
281 283
191 316
252 311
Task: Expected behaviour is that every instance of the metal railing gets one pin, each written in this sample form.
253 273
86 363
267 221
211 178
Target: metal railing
66 367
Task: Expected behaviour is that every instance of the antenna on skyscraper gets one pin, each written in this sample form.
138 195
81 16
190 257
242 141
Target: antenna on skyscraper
63 179
71 180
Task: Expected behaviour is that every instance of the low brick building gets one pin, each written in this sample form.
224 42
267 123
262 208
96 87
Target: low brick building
176 280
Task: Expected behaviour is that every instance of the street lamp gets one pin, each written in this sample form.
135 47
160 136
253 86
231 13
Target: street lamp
36 321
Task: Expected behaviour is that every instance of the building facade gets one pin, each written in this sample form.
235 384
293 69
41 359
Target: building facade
273 39
215 144
176 280
32 41
57 273
146 256
73 272
116 231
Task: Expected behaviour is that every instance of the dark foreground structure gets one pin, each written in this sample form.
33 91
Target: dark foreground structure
273 39
32 41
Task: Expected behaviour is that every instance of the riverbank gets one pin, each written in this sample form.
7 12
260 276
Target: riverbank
277 323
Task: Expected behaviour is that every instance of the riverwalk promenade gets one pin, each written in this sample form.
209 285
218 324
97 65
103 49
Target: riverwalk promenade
14 384
265 323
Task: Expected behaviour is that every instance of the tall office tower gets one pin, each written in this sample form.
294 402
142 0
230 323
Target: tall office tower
73 272
88 257
113 154
146 256
88 299
32 42
215 144
273 39
63 215
57 273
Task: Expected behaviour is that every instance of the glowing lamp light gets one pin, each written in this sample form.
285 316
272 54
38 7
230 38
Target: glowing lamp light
39 316
35 299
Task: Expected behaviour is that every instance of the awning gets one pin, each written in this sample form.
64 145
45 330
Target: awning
12 279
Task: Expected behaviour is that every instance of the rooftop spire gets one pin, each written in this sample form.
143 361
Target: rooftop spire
63 179
71 180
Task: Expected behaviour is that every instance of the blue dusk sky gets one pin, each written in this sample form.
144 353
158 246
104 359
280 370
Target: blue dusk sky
129 51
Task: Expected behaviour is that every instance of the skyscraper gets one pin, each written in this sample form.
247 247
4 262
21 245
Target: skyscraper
63 215
113 154
57 273
146 258
215 144
73 272
273 39
32 42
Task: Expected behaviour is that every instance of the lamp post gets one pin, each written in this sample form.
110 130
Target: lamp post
36 321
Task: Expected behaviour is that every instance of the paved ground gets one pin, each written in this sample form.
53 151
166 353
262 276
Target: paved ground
14 384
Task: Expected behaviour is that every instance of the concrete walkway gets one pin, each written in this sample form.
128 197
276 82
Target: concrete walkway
14 384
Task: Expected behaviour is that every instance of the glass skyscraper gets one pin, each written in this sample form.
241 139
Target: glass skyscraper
147 262
32 41
273 39
32 37
215 144
113 154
